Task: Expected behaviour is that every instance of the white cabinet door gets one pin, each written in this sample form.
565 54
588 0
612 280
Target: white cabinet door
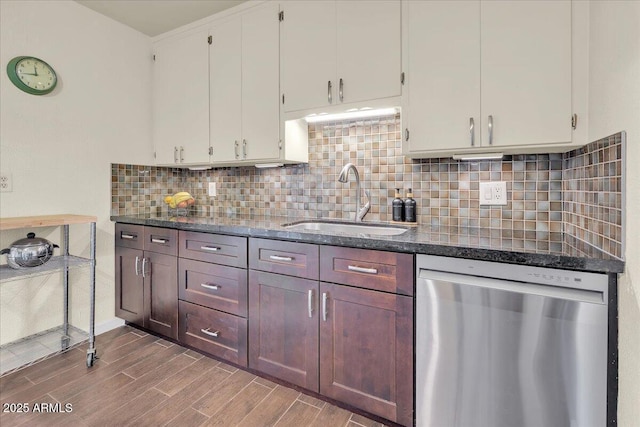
261 83
526 71
181 100
443 78
368 49
225 90
308 45
475 62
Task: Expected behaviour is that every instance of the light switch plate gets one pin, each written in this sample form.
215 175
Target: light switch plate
6 184
212 189
493 193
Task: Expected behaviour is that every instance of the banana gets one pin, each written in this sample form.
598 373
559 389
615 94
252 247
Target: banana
178 198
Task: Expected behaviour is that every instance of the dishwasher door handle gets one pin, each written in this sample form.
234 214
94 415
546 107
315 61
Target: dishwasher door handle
552 291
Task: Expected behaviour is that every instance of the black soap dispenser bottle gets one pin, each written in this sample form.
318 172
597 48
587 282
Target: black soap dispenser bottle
397 207
410 208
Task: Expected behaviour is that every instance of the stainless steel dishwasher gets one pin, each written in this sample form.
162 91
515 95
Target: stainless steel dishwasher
502 345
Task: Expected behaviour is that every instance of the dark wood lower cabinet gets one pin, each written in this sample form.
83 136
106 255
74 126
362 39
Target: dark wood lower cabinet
221 334
161 294
147 290
129 285
366 350
283 327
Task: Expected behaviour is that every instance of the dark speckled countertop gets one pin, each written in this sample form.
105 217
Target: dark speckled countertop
553 250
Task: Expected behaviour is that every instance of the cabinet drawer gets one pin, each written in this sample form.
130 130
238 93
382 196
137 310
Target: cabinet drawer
161 240
370 269
290 258
220 334
215 286
215 248
130 236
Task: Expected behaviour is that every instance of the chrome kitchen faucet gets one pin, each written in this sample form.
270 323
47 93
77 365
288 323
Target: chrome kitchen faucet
344 177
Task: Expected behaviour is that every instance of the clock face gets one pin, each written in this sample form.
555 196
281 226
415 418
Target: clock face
32 75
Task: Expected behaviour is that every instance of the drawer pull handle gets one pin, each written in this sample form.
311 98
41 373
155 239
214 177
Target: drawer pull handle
128 236
281 258
161 241
214 287
208 332
325 297
310 302
210 248
362 269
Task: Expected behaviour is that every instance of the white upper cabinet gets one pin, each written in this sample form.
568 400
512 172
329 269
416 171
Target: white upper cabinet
181 100
339 52
487 76
526 71
261 84
245 76
308 49
225 65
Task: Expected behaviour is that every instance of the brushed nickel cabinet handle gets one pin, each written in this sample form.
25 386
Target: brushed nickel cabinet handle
325 298
208 332
362 269
214 287
329 94
161 241
210 248
244 148
137 261
128 236
341 90
471 131
310 302
144 263
281 258
175 154
490 130
235 149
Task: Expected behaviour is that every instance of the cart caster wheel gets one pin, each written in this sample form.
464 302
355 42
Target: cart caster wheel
90 360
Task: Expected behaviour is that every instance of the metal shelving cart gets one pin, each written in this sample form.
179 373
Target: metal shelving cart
63 263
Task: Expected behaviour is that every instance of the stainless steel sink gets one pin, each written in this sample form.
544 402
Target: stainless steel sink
351 228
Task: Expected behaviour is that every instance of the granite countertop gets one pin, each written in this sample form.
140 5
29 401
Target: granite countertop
542 249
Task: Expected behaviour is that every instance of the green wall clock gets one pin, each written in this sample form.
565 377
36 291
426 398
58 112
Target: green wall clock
32 75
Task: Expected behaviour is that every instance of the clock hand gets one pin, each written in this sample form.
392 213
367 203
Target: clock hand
28 74
35 69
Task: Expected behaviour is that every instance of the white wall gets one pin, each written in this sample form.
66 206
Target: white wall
58 148
614 100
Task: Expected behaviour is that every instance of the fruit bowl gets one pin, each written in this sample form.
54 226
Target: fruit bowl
179 203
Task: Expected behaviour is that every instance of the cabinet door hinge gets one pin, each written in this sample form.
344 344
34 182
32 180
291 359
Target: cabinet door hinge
211 151
574 121
281 16
280 145
210 39
406 134
402 78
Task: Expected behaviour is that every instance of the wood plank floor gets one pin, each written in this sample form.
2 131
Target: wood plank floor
142 380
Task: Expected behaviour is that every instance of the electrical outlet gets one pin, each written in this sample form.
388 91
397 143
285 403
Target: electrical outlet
212 189
493 193
6 184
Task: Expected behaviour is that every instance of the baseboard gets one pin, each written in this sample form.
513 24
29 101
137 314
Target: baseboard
108 325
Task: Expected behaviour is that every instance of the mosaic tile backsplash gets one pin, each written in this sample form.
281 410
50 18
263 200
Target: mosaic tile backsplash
547 193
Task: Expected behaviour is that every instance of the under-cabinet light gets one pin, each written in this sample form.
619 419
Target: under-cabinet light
480 156
351 114
269 165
